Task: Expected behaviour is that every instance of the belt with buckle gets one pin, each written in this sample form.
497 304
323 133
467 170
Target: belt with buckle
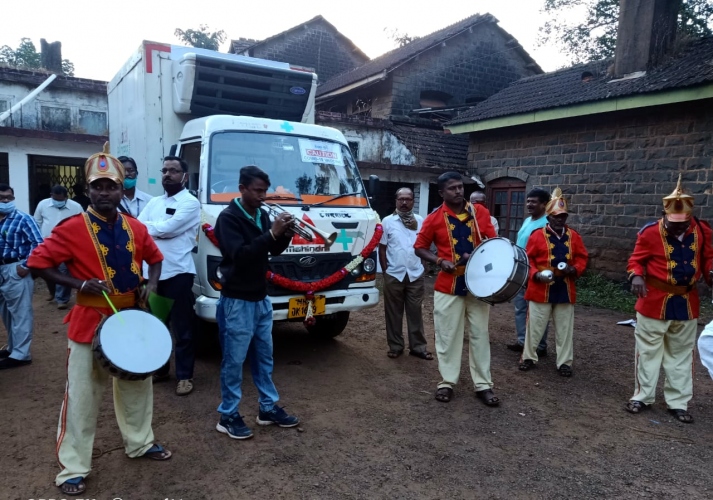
667 287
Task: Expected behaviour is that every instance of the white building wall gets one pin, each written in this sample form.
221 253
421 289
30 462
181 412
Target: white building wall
20 148
381 146
80 105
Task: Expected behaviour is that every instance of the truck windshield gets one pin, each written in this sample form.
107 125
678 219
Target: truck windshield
302 170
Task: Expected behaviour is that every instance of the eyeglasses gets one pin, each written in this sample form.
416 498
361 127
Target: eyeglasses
7 198
171 171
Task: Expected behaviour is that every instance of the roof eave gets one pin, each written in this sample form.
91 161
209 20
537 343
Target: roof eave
347 88
584 109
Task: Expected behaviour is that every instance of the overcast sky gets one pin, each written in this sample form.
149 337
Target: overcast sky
98 37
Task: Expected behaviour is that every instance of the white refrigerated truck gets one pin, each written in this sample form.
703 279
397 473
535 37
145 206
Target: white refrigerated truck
220 112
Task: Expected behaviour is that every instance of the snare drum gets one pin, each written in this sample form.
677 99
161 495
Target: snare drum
132 344
496 271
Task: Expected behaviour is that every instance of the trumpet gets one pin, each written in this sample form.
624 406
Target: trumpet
304 229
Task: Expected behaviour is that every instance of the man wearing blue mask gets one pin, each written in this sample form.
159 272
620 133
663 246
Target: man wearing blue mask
19 235
48 214
134 200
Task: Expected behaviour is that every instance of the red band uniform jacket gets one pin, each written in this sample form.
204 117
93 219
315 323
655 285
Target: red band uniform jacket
454 236
677 263
545 250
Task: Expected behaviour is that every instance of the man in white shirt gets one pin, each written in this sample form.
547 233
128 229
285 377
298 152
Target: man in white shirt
48 214
403 278
172 220
134 200
478 198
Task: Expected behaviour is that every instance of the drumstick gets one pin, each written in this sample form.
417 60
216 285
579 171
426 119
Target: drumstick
112 306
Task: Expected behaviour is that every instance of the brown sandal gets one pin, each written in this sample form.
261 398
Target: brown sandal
444 394
73 487
488 397
157 452
681 415
394 354
421 354
635 407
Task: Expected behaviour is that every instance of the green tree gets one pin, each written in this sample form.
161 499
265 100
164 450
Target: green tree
25 56
201 38
594 37
400 38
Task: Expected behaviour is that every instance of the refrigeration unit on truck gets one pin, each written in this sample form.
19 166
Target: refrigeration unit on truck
220 112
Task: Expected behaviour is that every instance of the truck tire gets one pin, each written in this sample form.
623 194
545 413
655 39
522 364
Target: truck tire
330 326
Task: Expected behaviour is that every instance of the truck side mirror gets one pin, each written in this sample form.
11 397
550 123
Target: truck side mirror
373 186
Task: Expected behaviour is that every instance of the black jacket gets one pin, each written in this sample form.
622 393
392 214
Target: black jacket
245 247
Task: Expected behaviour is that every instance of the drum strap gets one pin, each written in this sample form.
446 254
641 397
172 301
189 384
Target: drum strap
120 300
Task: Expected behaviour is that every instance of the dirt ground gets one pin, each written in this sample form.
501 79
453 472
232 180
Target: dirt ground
372 429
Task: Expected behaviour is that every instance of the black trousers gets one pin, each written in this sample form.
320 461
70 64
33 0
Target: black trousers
181 322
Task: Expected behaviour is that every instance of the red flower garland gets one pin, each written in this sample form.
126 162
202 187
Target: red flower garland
316 286
210 233
309 289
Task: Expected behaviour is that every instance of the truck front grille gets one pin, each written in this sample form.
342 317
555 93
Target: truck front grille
290 267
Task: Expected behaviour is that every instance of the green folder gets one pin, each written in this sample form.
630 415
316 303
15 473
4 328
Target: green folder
160 306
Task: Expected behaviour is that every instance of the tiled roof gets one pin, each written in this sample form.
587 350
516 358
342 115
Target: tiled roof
243 44
693 65
396 57
433 147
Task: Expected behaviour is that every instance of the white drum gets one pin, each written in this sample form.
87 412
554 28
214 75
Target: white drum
496 271
132 344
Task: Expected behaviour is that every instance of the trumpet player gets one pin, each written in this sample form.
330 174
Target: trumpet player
557 258
244 311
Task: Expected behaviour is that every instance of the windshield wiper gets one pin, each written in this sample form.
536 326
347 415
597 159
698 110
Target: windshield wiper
335 198
280 197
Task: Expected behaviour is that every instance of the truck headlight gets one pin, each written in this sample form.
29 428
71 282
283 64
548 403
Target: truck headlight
369 265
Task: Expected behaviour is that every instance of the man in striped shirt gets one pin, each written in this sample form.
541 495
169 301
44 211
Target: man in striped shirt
19 235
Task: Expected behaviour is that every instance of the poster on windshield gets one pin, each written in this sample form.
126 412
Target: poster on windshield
321 152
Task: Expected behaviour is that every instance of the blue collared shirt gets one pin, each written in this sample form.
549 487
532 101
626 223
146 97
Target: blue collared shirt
19 235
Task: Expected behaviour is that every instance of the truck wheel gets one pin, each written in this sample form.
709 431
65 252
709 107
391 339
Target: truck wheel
330 326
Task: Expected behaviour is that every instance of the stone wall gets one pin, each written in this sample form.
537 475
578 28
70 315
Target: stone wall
471 66
614 168
315 45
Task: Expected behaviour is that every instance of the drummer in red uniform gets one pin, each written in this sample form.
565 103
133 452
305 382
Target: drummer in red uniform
670 257
104 252
457 227
557 258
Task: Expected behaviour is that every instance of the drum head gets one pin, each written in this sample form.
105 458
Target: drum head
490 267
135 341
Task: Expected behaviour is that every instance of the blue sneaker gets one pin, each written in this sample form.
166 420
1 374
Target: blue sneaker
277 416
234 427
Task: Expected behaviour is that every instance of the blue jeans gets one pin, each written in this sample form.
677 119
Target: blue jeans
62 293
521 320
245 330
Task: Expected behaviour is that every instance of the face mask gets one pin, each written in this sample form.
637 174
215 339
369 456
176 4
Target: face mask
7 207
129 183
58 203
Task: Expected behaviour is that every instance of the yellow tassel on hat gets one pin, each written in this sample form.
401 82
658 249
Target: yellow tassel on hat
678 206
104 166
557 204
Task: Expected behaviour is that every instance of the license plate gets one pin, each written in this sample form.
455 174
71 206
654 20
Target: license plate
298 306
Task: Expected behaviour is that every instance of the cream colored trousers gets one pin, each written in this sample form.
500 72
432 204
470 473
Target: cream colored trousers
538 314
449 313
86 380
668 343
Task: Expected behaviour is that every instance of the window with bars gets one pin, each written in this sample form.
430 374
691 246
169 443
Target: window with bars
48 171
507 205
